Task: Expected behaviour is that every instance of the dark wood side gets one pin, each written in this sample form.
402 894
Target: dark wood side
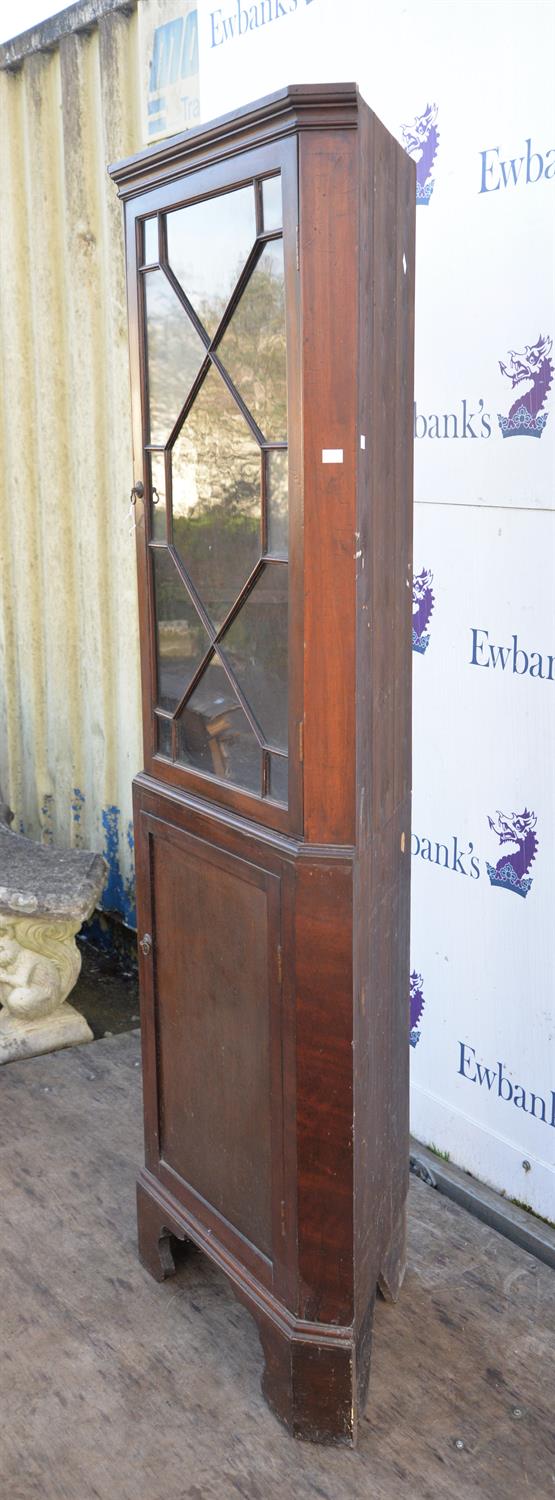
324 1089
387 194
328 264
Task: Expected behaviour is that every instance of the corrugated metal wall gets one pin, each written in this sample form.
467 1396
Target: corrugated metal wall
69 673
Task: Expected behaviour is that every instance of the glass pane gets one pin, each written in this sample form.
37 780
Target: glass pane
253 346
158 482
150 242
279 769
271 203
175 354
256 647
277 494
208 244
181 639
214 734
164 737
216 497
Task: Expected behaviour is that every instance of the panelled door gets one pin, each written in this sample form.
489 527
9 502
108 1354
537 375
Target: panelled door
211 1017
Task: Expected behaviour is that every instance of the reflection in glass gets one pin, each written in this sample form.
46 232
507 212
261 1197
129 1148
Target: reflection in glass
216 497
150 242
214 734
253 345
175 354
256 647
181 639
271 203
158 485
277 496
208 244
279 768
164 737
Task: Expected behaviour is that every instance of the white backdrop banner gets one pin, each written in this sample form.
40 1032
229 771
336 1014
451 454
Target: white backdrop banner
483 869
466 88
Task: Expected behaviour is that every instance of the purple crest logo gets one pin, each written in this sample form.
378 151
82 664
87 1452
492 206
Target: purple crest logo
511 870
534 367
422 605
416 1007
421 141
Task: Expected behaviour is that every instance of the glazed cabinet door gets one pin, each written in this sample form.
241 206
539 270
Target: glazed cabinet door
210 997
213 270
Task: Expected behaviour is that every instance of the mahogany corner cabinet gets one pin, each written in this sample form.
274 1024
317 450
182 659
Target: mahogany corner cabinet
270 269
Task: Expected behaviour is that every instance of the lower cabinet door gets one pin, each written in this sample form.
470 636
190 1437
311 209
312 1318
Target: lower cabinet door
210 1015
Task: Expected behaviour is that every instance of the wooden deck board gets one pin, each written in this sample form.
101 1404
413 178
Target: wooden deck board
115 1388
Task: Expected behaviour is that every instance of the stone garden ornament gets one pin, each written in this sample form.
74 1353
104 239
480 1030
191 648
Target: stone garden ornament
45 896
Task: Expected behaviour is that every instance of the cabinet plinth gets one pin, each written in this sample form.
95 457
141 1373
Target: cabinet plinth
270 261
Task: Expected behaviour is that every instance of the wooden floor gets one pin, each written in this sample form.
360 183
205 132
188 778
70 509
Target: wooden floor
114 1388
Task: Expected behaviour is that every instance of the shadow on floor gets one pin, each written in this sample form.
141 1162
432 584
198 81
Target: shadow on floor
107 992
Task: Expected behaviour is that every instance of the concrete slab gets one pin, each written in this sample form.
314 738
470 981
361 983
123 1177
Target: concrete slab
115 1388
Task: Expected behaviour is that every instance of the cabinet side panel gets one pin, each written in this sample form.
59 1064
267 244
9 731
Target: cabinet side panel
324 1078
384 666
212 999
328 258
